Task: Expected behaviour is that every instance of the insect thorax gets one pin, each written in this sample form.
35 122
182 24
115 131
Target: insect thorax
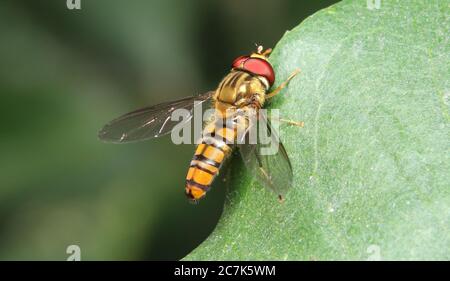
239 89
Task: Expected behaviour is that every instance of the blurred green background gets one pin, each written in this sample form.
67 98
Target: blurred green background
64 73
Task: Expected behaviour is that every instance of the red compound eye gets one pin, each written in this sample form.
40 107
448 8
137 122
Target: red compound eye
238 61
260 67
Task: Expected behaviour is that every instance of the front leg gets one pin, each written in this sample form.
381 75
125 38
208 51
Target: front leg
282 85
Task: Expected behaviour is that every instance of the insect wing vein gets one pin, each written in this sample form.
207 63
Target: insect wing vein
274 171
149 122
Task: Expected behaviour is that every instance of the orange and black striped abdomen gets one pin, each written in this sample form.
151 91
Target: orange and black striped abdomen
214 148
205 165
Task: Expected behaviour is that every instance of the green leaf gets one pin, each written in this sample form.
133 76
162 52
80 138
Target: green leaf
371 166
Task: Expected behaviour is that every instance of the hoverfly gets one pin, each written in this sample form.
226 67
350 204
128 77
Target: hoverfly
240 95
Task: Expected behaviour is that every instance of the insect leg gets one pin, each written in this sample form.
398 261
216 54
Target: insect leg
282 85
260 166
292 122
300 124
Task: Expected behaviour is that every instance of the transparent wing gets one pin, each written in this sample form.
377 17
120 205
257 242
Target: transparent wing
273 170
149 122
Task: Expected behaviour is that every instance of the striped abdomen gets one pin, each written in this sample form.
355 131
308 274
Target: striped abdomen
206 163
237 89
